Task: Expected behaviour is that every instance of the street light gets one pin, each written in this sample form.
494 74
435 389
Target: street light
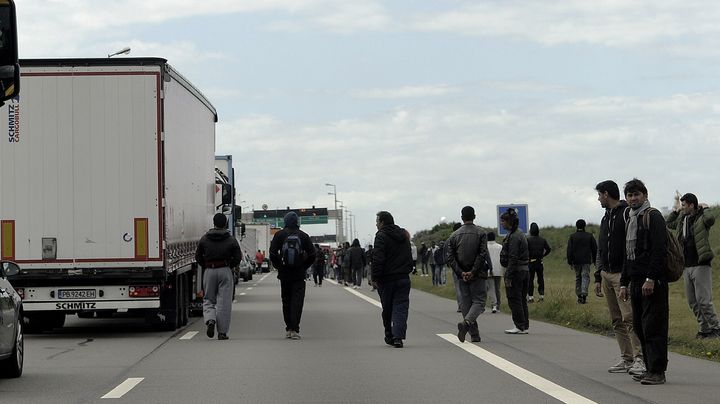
337 223
123 51
342 221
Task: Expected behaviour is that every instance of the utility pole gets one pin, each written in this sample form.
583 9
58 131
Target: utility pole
337 222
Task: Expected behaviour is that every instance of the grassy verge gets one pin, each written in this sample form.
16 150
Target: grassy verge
560 308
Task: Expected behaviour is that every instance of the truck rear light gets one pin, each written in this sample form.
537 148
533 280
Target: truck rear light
144 291
21 292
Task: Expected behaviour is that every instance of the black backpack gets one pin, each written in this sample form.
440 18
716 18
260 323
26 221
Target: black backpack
292 251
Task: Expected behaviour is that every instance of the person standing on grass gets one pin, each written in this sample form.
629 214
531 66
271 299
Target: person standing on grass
611 255
581 252
439 258
644 271
514 257
497 271
391 267
693 221
292 252
538 248
467 256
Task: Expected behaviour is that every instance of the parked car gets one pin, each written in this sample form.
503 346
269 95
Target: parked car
12 339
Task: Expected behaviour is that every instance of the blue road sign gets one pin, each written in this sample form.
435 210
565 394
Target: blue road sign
522 211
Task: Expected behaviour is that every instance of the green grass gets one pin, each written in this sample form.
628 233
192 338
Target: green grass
560 305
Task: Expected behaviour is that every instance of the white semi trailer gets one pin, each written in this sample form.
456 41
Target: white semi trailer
107 183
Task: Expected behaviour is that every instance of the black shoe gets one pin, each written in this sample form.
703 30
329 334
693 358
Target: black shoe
210 328
389 341
475 338
397 343
653 378
462 331
222 336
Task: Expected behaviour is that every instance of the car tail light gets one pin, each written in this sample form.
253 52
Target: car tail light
144 291
21 292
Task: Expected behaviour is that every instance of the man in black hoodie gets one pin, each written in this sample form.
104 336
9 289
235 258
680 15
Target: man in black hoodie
538 248
289 243
391 266
217 252
581 252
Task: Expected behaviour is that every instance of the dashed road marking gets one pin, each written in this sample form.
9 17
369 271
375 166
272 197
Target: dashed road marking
250 288
189 335
123 387
546 386
242 294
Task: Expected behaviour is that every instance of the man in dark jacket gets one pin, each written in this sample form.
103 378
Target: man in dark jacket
514 257
357 263
581 252
391 266
292 274
216 253
644 270
611 255
318 266
467 256
538 248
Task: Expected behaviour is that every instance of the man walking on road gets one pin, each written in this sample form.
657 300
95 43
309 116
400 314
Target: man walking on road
391 266
611 255
292 252
467 256
693 222
581 252
644 271
216 253
514 257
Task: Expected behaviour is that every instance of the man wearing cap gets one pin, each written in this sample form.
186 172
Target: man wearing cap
692 221
467 256
292 275
216 253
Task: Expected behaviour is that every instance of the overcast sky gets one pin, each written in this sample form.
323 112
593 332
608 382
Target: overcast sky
422 107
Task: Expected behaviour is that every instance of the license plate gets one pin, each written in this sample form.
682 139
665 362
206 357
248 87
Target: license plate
76 294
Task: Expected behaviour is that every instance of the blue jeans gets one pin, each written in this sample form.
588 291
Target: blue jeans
437 275
582 279
395 300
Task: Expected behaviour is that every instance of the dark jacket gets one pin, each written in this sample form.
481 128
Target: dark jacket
466 251
515 248
392 258
294 274
650 251
538 247
696 244
218 245
611 241
319 264
357 257
581 248
439 255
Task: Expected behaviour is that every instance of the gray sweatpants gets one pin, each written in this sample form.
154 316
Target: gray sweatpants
698 289
217 303
472 301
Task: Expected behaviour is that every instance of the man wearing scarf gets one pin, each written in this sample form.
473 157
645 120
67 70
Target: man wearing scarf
644 274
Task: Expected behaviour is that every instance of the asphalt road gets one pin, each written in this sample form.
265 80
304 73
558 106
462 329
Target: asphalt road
341 358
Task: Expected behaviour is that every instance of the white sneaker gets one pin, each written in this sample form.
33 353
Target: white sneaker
523 332
513 330
638 367
541 298
620 367
530 299
495 309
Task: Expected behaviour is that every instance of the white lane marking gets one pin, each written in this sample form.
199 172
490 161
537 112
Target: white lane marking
360 295
189 335
249 288
242 294
255 284
123 387
525 376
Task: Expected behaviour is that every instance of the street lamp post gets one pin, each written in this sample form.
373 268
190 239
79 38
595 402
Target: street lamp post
342 221
348 215
337 223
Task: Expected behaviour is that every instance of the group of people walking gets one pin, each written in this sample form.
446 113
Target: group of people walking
630 256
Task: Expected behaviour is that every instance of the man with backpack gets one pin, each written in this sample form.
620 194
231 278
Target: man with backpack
292 252
645 273
692 221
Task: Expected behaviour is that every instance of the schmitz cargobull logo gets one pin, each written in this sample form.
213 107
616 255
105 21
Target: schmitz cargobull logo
14 120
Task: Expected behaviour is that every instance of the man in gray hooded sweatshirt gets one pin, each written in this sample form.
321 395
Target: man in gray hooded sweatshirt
217 252
292 253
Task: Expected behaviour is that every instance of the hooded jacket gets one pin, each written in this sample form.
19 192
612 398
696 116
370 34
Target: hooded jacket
392 259
218 245
697 243
611 241
291 227
357 257
581 248
538 247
